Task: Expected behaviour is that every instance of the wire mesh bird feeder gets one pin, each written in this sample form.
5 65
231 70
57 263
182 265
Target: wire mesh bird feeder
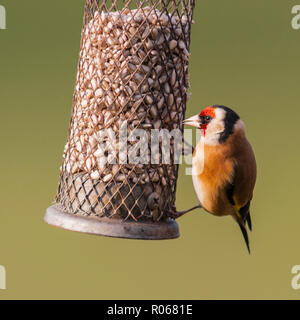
133 70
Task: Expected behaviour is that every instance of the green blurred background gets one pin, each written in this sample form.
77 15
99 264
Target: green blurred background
244 55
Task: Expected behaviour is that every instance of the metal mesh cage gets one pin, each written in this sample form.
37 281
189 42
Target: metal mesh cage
132 75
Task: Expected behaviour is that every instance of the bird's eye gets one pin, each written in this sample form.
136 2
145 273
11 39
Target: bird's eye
208 118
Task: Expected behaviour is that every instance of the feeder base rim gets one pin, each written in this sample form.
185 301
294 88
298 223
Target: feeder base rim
112 227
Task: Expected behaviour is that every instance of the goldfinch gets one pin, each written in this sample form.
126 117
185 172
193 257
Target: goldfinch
224 166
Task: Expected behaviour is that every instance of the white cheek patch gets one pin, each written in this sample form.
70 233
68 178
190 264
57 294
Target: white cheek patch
215 127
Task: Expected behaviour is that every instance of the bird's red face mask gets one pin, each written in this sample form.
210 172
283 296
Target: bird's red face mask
205 118
202 120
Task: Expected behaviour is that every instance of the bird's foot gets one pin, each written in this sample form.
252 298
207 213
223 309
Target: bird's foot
177 214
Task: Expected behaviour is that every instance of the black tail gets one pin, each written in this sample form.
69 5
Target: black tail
248 219
245 234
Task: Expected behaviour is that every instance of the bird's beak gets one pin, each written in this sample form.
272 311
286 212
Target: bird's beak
192 121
